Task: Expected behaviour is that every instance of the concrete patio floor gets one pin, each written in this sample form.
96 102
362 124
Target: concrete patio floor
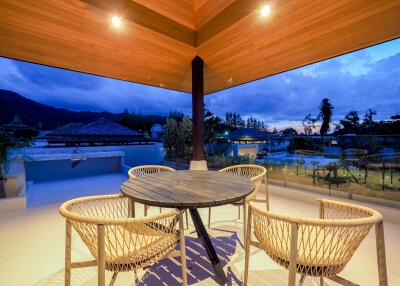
32 250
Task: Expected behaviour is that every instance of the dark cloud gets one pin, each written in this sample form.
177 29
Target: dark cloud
358 81
352 83
49 77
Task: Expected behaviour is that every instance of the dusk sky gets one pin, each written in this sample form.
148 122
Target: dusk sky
369 78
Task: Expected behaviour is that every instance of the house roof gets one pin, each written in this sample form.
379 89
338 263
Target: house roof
247 134
16 123
68 129
159 39
100 127
107 127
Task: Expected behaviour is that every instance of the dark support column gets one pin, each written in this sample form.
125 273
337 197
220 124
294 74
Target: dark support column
198 108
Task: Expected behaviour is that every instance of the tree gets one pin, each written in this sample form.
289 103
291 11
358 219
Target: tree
124 118
136 121
309 124
211 124
176 115
369 118
170 138
326 114
289 131
351 122
177 139
185 132
395 117
234 120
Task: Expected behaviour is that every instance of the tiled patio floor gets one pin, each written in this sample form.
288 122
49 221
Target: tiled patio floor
32 252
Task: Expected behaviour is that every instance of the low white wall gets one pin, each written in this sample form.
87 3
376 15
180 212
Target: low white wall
10 205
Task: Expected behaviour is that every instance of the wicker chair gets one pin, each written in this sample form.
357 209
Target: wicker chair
117 241
255 173
315 247
148 170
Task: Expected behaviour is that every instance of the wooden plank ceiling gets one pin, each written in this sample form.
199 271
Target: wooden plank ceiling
159 38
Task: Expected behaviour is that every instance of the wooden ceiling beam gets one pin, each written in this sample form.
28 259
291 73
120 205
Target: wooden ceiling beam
147 18
226 18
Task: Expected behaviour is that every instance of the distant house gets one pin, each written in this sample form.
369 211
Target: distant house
17 128
100 132
157 131
247 136
247 141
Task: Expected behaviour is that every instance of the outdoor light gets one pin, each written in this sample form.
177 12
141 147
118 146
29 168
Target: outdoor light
116 21
265 10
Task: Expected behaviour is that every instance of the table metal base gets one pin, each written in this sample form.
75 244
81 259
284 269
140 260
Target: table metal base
212 255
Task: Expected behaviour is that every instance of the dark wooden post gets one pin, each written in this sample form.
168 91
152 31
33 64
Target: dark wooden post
198 108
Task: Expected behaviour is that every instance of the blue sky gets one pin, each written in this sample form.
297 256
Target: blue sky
369 78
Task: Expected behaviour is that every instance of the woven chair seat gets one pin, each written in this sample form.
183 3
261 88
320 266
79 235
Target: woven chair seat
139 254
130 243
324 246
310 261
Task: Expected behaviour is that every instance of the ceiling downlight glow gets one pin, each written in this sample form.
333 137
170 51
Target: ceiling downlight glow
265 10
116 22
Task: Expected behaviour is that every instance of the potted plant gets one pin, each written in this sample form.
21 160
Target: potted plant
6 144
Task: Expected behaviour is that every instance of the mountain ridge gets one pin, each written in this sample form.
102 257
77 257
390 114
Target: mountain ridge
46 117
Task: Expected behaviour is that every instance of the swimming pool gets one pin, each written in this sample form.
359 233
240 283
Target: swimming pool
286 158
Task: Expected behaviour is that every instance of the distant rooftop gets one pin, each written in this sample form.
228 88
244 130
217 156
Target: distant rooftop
103 131
16 123
101 126
247 134
70 128
105 126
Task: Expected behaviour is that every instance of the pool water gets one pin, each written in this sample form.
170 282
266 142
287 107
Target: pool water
286 158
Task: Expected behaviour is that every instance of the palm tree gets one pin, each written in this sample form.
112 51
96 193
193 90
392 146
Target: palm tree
326 114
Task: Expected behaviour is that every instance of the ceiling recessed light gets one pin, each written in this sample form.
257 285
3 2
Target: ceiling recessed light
265 10
116 21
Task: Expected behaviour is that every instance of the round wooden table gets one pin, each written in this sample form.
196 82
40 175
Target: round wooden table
191 190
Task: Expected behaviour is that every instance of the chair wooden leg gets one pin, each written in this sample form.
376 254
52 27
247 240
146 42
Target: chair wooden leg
131 207
145 210
301 281
113 278
209 217
293 254
266 193
244 221
321 281
101 262
183 249
247 248
68 230
238 212
160 210
187 219
381 254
